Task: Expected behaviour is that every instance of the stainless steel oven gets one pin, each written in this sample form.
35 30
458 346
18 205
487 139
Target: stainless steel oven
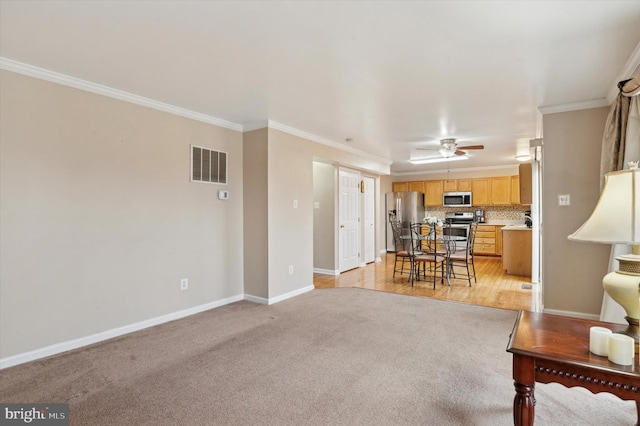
459 226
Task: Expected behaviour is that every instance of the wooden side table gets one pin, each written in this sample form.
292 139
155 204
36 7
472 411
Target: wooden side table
552 348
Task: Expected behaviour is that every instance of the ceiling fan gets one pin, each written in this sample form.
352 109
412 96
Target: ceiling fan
449 148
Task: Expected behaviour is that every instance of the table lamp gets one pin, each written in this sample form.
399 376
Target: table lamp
616 220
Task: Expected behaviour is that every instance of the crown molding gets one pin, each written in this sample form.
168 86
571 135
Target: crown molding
99 89
324 141
255 125
632 65
314 138
574 106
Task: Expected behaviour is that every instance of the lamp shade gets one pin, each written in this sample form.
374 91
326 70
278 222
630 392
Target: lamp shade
616 218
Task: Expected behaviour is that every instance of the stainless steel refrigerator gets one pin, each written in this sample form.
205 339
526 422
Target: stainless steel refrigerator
404 207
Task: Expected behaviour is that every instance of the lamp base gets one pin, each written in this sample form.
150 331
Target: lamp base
623 286
625 290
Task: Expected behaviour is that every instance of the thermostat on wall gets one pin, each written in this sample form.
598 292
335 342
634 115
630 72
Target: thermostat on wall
223 195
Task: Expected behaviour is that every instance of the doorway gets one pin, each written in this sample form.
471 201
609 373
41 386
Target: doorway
348 219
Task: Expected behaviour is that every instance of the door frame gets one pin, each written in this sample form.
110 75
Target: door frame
369 184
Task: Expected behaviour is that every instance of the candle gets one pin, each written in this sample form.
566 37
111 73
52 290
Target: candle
599 340
621 349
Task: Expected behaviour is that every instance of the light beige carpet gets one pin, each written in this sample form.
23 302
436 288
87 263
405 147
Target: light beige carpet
328 357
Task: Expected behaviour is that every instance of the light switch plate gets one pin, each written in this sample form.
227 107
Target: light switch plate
223 195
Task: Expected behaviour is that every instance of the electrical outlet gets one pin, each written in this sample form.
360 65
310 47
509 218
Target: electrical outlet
290 269
564 200
184 283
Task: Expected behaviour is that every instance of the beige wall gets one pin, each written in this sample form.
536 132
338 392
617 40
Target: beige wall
572 271
290 229
290 175
99 219
256 229
324 238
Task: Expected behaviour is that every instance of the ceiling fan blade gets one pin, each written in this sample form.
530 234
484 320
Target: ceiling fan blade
471 147
427 149
458 152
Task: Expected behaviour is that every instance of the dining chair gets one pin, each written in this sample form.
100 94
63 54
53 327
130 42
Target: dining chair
424 251
463 257
401 250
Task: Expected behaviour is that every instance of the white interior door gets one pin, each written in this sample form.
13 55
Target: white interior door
349 220
369 220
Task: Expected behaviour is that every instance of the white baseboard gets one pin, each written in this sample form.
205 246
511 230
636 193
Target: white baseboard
256 299
325 271
280 298
572 314
57 348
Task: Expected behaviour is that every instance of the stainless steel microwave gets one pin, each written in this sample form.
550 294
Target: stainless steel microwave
456 199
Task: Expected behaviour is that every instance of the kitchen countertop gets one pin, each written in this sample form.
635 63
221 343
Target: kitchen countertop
504 222
516 228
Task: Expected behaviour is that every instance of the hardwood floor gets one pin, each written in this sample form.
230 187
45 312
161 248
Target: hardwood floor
494 288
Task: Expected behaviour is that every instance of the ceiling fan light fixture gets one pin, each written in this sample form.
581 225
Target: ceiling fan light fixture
445 152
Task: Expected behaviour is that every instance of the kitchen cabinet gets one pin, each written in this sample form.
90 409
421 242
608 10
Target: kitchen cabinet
450 185
515 190
457 185
417 186
489 191
516 254
481 191
464 185
433 190
524 173
501 191
400 186
485 240
499 243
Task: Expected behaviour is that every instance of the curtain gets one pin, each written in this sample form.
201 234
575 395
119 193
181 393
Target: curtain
620 144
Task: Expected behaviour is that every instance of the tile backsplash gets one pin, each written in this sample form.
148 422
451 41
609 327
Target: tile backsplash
491 213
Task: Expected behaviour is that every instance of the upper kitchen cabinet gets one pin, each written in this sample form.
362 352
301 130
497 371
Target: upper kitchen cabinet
515 190
501 191
464 185
457 185
400 186
416 186
433 190
481 192
524 171
450 185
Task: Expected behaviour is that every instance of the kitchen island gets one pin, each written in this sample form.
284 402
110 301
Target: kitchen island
516 250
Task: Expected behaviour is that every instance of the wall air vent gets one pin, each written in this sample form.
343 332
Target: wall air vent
208 166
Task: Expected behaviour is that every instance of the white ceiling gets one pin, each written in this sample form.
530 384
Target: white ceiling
391 75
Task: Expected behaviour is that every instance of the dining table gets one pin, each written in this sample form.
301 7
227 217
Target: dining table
450 243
